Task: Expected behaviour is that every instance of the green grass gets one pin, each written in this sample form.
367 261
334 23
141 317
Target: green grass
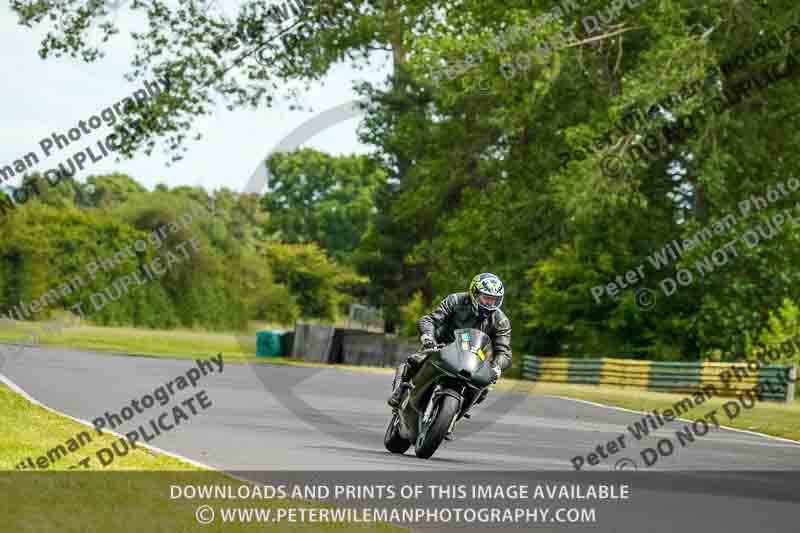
131 495
772 418
30 431
174 343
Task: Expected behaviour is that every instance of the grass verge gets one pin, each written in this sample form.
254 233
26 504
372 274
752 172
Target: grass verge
173 343
132 494
177 343
772 418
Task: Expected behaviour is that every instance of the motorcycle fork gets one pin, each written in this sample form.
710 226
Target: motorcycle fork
432 402
406 396
429 408
458 413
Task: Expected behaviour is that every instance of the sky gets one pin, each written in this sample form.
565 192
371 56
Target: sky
40 97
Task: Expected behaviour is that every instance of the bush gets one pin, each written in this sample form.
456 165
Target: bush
783 329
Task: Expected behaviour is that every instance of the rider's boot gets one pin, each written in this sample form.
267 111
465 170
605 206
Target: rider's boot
397 395
410 367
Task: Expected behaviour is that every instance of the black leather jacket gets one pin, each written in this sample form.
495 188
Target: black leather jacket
456 312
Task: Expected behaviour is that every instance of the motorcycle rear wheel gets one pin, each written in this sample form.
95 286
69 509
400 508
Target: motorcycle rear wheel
430 440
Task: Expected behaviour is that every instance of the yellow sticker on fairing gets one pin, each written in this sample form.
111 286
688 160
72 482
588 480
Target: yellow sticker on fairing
481 354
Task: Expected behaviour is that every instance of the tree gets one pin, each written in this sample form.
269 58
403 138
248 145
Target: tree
112 189
314 197
474 174
317 284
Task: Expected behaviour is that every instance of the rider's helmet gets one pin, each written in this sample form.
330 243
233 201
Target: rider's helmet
486 294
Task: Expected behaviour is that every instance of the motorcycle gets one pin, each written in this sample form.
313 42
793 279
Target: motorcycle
443 390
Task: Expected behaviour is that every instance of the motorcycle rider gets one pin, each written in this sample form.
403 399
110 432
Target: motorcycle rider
479 308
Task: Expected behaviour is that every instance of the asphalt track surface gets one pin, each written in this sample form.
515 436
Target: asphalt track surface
279 417
269 420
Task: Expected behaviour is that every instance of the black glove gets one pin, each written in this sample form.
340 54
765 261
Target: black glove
428 342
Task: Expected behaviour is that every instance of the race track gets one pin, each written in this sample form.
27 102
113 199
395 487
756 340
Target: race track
268 417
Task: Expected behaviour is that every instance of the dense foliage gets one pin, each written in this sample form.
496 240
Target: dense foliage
469 171
235 275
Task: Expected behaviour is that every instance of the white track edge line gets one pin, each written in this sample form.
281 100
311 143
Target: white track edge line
16 388
13 386
782 439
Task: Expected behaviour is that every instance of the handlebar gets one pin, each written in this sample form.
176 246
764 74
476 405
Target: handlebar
437 347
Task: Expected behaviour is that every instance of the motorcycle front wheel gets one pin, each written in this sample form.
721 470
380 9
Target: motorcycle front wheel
431 436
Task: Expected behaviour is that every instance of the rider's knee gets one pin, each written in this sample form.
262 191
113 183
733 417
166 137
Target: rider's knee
415 359
482 397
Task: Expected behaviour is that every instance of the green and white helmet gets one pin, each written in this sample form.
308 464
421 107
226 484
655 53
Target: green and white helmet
486 293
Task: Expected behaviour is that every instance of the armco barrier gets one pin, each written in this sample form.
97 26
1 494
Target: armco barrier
287 341
313 343
326 344
680 377
364 349
375 349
